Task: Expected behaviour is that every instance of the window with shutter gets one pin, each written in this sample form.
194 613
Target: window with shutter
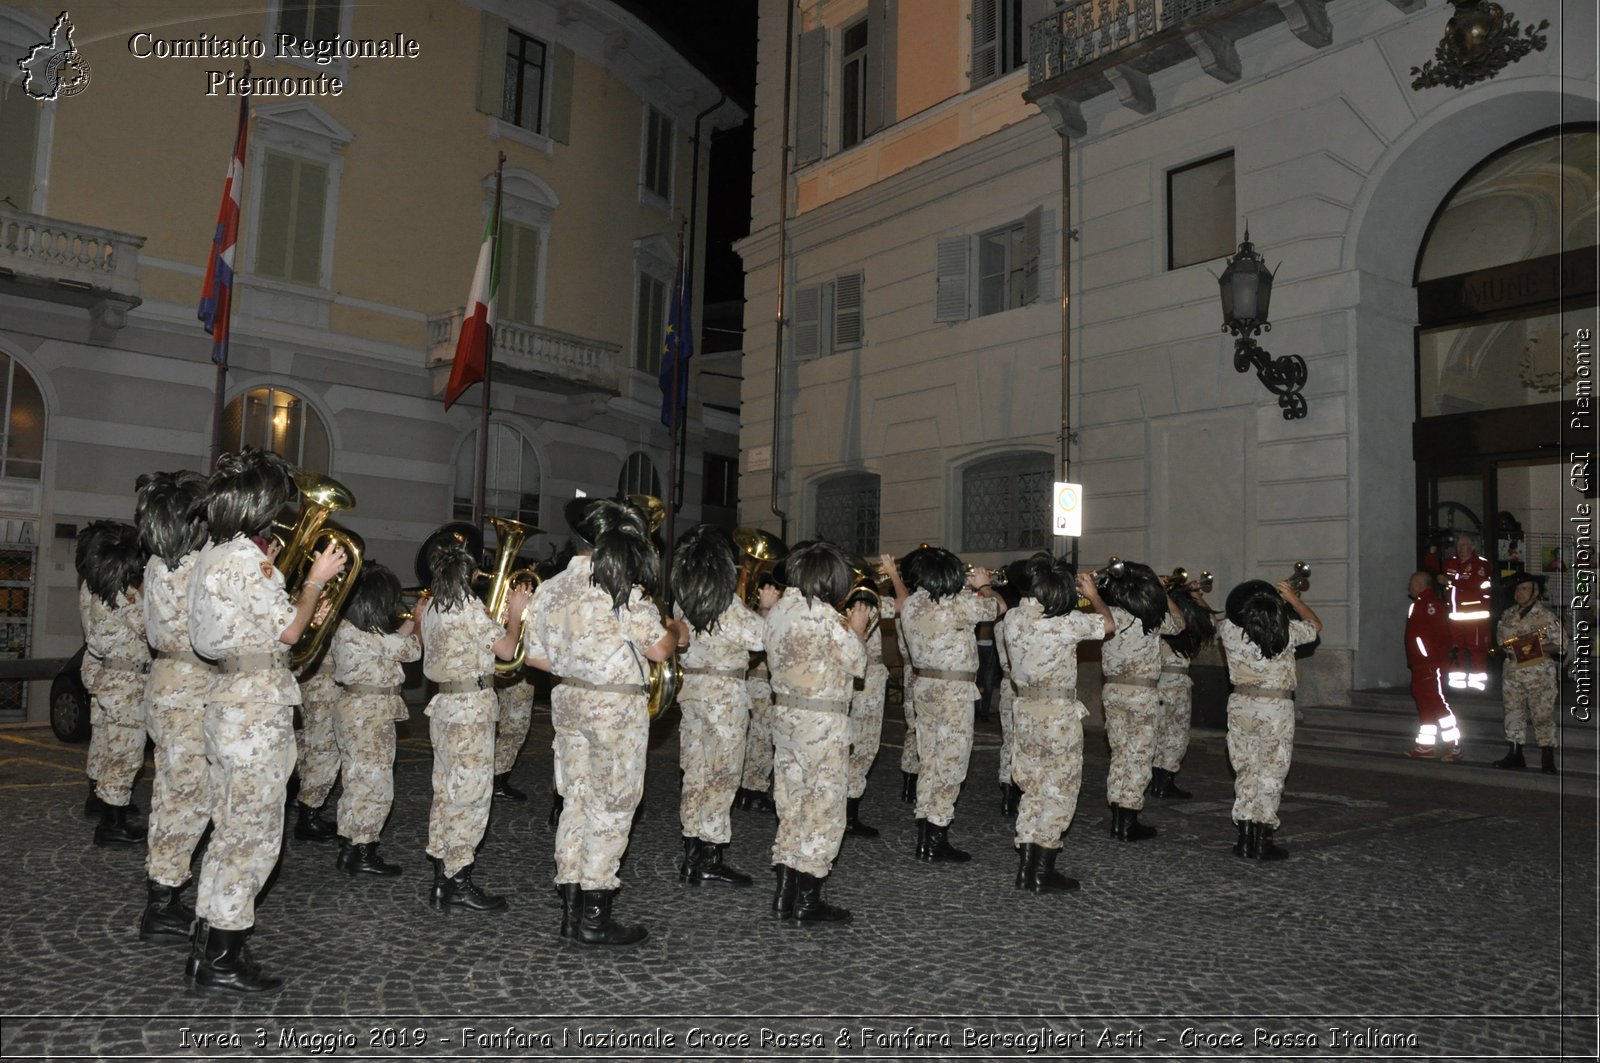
849 321
19 132
951 296
985 41
1200 211
810 95
1000 35
657 161
878 98
519 274
289 234
310 20
853 84
650 316
807 324
523 87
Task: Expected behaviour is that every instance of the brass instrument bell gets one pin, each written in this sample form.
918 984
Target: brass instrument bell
509 536
1300 580
759 553
321 496
664 677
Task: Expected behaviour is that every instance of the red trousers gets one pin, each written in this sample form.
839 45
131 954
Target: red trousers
1427 690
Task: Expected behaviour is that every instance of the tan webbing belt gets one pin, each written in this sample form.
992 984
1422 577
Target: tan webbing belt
795 701
467 686
603 688
252 662
944 673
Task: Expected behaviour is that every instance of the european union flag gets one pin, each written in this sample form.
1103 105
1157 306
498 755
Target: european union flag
676 352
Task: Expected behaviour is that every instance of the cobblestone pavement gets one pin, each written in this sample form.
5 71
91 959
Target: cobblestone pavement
1416 918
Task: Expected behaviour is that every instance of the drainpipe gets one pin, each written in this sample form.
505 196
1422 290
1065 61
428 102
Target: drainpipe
783 269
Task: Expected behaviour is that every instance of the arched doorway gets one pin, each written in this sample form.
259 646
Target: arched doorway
22 447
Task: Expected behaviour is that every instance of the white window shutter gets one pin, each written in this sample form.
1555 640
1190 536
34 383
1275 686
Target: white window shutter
849 318
807 322
810 86
951 296
985 41
1049 245
1032 223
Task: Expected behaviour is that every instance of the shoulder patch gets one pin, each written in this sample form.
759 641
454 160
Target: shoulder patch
266 570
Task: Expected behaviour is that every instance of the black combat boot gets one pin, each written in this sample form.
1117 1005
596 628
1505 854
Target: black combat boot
364 860
1125 825
690 858
938 847
741 799
557 805
571 907
761 801
92 804
503 787
809 907
852 820
1260 845
226 964
922 839
710 868
1045 878
197 949
346 850
1029 855
908 787
166 918
1173 789
459 891
1513 758
117 829
783 896
1242 846
309 826
595 926
1547 760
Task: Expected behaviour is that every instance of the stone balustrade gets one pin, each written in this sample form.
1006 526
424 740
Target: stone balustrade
68 262
571 362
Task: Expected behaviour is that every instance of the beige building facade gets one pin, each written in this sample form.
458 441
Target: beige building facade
362 213
908 226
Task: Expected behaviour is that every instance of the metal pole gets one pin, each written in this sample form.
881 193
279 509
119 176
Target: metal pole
783 234
480 491
1066 321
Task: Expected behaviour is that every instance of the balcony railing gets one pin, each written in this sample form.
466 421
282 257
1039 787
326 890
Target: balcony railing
66 262
569 362
1079 33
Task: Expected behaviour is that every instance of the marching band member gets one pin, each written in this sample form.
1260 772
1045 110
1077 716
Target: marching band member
1042 636
593 627
370 647
813 653
1530 632
1265 623
903 576
515 694
713 701
939 618
172 527
1175 690
316 752
113 568
1130 667
84 555
460 643
754 786
866 724
241 617
1428 642
1012 592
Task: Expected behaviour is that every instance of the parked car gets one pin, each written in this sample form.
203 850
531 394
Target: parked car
69 702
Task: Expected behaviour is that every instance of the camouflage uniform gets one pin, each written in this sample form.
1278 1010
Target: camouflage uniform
180 799
716 717
910 762
813 656
458 646
367 666
1008 701
89 672
237 610
1260 729
601 737
317 754
1175 700
866 707
115 637
941 636
1530 689
515 695
1131 664
758 740
1048 761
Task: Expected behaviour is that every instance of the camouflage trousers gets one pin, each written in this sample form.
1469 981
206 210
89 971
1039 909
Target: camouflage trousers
180 796
461 729
866 726
758 740
1008 733
116 743
600 745
809 764
1530 693
318 752
1130 714
910 758
511 729
711 741
1048 765
1260 745
251 749
944 743
363 729
1176 700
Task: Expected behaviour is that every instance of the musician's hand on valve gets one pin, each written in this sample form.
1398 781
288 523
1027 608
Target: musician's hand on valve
979 579
767 597
517 603
859 619
328 564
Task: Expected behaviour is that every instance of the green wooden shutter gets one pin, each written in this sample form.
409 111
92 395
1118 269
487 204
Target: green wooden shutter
950 268
310 208
880 66
519 274
492 66
561 95
807 323
810 85
272 233
985 41
19 143
849 316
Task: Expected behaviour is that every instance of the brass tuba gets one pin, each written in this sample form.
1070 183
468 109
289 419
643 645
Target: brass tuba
509 536
759 553
1300 581
665 677
320 496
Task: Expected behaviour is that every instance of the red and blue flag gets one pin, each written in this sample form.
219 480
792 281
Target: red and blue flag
216 297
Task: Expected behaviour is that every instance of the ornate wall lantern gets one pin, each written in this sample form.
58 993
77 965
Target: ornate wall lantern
1480 40
1246 297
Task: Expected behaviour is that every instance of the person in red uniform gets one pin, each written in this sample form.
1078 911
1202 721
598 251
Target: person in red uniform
1468 579
1428 643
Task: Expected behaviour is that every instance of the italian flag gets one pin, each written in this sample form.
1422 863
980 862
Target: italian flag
477 327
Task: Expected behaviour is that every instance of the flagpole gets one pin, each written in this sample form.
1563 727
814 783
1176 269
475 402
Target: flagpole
480 491
673 500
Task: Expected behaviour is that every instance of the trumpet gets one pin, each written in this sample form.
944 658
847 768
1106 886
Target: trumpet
1300 580
1180 578
997 576
320 497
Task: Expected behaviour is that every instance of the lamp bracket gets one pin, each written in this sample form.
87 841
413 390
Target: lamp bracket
1283 376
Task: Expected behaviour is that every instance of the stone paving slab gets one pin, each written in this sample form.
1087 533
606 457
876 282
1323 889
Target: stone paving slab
1417 918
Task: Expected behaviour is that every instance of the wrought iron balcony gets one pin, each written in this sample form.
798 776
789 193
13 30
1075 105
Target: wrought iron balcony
530 354
65 262
1085 48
